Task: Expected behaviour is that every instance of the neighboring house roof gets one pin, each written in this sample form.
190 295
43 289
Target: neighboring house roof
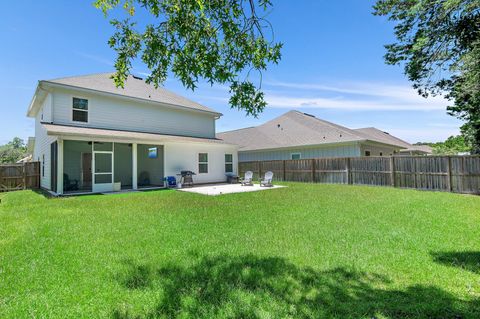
419 149
294 129
379 135
26 159
67 130
134 87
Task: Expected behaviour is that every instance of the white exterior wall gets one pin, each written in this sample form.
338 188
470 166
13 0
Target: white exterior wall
42 142
375 150
184 156
305 153
117 113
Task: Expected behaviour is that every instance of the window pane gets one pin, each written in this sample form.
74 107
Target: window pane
367 153
103 163
228 168
103 146
103 178
81 104
203 157
295 156
203 168
228 158
80 116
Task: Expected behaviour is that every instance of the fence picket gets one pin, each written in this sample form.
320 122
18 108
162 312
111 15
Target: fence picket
459 174
19 176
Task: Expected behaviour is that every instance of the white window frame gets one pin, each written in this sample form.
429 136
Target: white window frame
73 109
228 162
299 155
198 162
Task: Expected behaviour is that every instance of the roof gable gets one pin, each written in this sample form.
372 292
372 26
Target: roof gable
134 87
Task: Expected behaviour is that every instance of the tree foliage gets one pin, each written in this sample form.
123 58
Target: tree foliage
220 41
439 41
451 146
13 151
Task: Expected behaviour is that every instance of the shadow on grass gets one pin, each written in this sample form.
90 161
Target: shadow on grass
254 287
467 260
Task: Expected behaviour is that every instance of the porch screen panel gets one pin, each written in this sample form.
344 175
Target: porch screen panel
103 163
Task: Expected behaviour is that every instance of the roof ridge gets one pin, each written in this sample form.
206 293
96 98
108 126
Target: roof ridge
78 76
238 129
331 124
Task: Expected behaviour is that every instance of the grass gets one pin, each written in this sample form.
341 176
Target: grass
305 251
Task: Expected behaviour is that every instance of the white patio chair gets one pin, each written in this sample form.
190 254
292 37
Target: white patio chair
267 180
248 179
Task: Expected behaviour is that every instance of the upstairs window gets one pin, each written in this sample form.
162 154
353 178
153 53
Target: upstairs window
203 163
228 163
80 110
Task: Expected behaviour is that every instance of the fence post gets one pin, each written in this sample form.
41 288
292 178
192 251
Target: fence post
392 170
284 172
259 169
24 173
449 171
347 171
313 170
414 164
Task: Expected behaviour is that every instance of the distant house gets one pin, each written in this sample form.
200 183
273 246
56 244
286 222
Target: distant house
297 135
409 149
91 136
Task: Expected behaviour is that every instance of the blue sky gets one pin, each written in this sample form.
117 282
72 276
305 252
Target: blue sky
332 67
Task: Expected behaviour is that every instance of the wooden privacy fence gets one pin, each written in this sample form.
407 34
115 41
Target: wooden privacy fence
19 176
459 174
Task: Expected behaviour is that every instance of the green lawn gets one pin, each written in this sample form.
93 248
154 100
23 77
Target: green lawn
305 251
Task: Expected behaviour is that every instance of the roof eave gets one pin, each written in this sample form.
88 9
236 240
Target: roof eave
36 101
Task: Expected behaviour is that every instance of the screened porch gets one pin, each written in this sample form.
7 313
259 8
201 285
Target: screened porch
93 166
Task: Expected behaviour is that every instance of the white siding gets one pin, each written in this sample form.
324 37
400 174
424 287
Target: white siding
117 113
305 153
42 143
375 150
183 156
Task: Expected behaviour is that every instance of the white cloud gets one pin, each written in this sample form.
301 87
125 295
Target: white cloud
353 96
423 135
342 103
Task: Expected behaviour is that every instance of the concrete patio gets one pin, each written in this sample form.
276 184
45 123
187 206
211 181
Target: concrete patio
220 189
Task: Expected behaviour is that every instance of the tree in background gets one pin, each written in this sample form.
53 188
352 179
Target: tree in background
220 41
454 145
13 151
439 43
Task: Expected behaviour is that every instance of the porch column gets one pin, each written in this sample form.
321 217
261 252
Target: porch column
59 166
134 166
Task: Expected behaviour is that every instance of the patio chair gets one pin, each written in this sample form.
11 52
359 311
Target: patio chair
267 180
69 184
248 179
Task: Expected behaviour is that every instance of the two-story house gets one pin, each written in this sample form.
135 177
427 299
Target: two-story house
91 136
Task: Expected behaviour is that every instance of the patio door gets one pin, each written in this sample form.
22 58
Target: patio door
102 171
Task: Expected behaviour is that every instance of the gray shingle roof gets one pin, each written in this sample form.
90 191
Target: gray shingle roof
134 88
381 136
292 129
